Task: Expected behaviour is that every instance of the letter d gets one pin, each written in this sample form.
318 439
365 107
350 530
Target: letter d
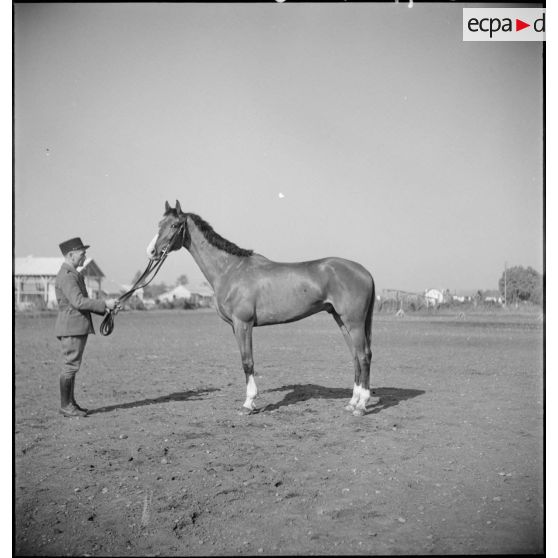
539 24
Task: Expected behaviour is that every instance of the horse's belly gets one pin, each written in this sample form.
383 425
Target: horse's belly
288 303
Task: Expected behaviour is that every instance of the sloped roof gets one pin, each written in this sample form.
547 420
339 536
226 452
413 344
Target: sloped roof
37 266
91 269
32 266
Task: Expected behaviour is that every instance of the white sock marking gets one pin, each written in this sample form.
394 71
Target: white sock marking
356 395
251 393
363 399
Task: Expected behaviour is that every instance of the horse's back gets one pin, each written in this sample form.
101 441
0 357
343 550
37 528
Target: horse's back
322 271
332 263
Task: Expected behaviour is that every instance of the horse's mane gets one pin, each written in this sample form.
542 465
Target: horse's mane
216 239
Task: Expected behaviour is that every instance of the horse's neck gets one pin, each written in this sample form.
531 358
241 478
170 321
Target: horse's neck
212 261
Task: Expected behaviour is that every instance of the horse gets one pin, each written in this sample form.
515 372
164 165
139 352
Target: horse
252 291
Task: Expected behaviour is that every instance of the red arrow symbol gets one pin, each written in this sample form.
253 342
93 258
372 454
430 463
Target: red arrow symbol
519 25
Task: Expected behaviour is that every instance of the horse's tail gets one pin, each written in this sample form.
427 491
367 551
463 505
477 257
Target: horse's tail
369 313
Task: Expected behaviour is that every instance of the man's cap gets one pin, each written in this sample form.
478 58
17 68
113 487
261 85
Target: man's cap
72 244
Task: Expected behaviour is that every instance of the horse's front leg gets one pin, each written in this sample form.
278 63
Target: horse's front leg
243 334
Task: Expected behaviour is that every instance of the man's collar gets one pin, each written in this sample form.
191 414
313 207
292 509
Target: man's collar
69 266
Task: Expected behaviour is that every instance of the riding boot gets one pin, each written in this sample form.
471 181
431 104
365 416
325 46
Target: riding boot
72 397
67 407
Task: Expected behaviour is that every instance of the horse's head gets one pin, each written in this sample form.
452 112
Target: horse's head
171 234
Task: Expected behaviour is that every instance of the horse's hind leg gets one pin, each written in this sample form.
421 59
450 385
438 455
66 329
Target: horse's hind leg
363 343
364 355
243 334
357 337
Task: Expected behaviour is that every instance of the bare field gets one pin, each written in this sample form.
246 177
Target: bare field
448 459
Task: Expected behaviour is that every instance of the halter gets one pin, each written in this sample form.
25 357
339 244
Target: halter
180 229
153 267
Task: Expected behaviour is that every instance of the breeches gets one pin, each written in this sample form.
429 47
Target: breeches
72 350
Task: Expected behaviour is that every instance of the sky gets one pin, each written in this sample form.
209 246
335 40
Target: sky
365 131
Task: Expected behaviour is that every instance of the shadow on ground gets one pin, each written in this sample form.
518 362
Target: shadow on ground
388 396
179 396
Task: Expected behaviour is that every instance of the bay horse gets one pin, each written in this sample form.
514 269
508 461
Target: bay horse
251 291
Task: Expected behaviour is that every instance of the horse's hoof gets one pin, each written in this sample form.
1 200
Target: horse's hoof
350 408
245 411
358 413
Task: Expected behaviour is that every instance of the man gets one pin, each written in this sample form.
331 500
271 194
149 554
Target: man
74 323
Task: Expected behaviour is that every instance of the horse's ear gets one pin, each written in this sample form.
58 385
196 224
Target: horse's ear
178 208
167 207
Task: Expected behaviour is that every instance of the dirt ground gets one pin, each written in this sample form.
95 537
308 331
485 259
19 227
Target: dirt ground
448 459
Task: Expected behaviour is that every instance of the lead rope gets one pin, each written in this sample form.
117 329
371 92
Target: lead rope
107 325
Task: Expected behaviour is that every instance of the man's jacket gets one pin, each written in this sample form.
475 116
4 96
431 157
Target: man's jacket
74 305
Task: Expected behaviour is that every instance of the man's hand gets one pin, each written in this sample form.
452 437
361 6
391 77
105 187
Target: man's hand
111 303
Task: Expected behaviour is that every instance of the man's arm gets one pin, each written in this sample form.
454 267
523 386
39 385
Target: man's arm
71 290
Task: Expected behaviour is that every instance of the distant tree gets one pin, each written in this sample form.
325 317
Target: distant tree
537 294
155 289
521 284
182 280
